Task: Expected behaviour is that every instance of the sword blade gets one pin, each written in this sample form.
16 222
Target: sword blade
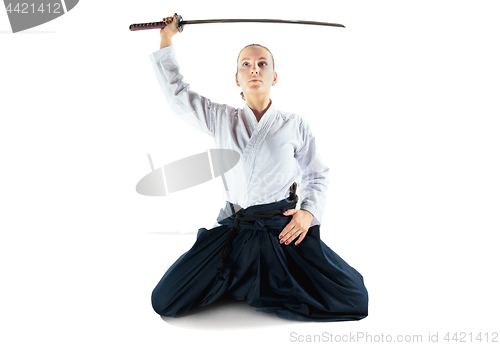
186 22
181 23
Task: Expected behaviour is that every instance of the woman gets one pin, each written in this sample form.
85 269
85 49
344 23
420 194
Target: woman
263 250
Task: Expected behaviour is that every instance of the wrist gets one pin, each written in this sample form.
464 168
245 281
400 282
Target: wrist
165 43
308 212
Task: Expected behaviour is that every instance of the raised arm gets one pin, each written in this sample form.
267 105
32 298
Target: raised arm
193 108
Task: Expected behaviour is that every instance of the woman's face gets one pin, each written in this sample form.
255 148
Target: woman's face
255 73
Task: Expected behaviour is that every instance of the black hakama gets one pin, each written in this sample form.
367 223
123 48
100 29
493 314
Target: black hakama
305 282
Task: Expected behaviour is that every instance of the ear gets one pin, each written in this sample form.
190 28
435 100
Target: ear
237 83
275 78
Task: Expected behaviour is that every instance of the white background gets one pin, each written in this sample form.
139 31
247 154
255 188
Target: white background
404 103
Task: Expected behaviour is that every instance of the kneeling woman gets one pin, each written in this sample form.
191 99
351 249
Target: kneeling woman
265 249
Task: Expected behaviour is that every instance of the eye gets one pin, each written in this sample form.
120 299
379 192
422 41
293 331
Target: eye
246 64
262 63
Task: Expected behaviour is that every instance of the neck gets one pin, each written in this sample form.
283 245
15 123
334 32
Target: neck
259 106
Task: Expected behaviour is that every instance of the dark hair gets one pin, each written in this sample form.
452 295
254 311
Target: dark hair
253 45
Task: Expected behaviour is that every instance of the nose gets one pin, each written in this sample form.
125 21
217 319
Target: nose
255 69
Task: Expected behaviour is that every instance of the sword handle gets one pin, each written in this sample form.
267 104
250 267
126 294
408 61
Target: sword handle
147 26
157 25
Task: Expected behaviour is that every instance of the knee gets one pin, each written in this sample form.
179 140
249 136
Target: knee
363 301
161 303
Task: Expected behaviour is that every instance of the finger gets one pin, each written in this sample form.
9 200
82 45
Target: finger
302 236
283 237
286 233
292 224
285 230
295 235
291 236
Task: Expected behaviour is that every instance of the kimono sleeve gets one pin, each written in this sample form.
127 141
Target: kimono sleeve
197 110
314 174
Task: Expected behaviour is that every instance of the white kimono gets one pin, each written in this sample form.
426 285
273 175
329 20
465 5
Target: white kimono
274 152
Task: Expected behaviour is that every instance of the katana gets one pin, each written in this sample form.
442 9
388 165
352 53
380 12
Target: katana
181 23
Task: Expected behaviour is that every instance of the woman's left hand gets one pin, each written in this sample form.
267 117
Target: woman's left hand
298 227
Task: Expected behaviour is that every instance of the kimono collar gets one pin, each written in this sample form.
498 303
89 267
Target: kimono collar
269 113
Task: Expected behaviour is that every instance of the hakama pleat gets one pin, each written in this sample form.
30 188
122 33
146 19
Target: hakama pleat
305 282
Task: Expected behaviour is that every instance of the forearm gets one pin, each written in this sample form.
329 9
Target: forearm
169 31
165 42
313 197
189 105
314 176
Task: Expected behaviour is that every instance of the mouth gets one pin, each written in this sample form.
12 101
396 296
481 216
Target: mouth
254 80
